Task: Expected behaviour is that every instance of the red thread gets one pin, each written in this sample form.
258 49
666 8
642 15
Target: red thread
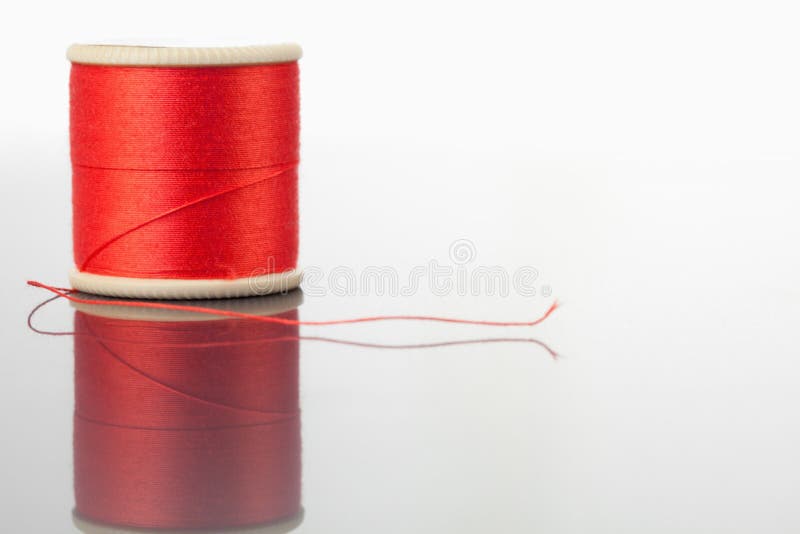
351 343
65 293
186 424
185 173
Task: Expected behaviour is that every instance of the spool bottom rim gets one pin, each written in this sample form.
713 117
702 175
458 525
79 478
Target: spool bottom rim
151 288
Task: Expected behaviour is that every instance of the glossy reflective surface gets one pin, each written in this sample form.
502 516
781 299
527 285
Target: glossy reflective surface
671 405
640 161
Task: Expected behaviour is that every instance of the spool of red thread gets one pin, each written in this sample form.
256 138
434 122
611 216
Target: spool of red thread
184 170
187 422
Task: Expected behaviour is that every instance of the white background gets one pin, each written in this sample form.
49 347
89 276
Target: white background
643 156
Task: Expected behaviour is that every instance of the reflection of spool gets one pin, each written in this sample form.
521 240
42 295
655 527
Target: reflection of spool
183 421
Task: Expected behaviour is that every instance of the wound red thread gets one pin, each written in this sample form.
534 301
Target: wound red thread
65 293
186 424
185 173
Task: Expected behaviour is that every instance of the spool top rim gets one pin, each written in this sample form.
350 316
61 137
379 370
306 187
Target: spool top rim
179 56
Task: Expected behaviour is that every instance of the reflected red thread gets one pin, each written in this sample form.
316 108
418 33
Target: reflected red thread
185 173
170 433
352 343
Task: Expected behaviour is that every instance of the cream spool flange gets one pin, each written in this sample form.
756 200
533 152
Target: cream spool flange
118 286
283 526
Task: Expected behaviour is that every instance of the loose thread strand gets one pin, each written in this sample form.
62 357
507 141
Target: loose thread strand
66 293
